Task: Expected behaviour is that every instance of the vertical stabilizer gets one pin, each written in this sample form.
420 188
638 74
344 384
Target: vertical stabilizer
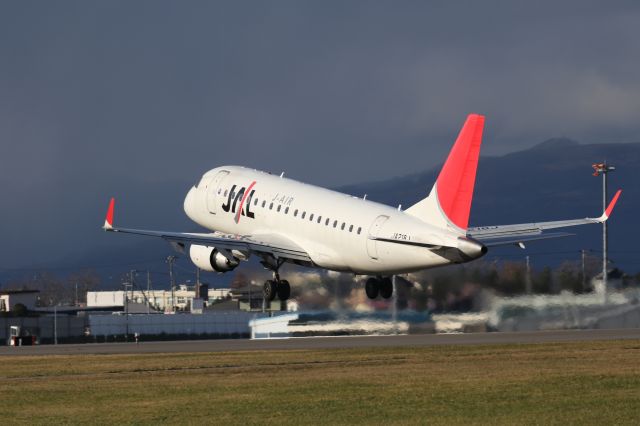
449 203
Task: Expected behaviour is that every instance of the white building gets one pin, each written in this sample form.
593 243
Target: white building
159 299
10 298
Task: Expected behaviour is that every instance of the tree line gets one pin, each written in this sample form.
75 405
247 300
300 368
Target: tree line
55 290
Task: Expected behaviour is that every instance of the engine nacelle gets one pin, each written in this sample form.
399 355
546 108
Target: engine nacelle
211 260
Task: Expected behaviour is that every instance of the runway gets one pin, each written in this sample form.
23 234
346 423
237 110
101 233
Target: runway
313 343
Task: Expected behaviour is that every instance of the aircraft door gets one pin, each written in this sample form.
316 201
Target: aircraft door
372 247
212 190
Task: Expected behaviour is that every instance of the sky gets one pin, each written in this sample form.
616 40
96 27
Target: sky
332 92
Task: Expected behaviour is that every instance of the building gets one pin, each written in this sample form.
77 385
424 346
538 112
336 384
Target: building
10 298
160 300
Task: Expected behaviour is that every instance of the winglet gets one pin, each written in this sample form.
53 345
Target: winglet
108 220
610 207
613 202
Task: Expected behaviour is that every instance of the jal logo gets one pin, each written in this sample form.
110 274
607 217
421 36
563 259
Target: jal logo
236 201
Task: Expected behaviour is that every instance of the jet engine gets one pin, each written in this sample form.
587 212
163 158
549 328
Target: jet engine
210 259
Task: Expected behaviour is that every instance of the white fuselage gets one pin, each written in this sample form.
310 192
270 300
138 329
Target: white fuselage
335 229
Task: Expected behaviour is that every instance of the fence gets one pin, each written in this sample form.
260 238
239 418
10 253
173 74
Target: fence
45 327
219 323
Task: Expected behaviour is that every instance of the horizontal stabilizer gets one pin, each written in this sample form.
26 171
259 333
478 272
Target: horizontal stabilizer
511 241
517 233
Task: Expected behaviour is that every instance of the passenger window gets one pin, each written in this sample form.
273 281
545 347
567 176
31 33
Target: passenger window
255 202
326 222
303 213
359 229
335 223
295 213
271 206
264 203
311 217
286 211
226 191
350 228
319 219
279 207
342 227
219 191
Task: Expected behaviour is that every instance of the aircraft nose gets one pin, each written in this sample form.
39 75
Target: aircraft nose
190 203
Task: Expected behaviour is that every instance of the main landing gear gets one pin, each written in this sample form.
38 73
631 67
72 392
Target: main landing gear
276 287
379 286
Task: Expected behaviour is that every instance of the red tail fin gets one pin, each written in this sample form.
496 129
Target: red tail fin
449 203
108 220
458 175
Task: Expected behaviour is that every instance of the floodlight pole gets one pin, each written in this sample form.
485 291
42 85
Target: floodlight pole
604 169
148 291
528 286
584 277
126 302
394 300
605 273
170 261
55 324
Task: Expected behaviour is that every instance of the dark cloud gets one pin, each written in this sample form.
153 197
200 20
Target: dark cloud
331 92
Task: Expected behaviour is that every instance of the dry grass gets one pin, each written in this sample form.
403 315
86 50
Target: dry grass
586 383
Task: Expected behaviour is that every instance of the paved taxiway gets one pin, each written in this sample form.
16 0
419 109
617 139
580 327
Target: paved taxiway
230 345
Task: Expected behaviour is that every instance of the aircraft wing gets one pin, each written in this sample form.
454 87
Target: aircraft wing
275 245
514 234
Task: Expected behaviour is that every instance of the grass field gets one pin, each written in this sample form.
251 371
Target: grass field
575 383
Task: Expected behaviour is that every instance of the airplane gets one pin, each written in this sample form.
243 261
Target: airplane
281 220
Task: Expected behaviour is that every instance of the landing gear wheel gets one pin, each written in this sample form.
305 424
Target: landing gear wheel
386 288
372 287
269 290
284 290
